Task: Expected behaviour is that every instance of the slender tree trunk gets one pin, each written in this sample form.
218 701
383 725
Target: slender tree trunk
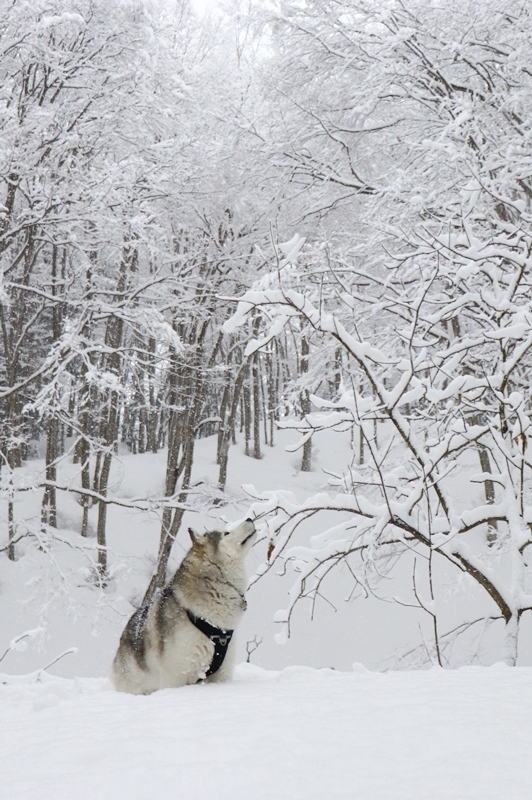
272 393
264 400
14 326
256 406
489 490
246 403
511 640
84 455
306 459
229 427
101 538
86 420
361 443
97 473
53 443
49 502
11 526
171 521
224 413
114 335
152 417
102 475
142 433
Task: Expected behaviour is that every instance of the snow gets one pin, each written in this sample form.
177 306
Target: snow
298 734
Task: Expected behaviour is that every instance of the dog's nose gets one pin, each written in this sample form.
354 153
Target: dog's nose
249 520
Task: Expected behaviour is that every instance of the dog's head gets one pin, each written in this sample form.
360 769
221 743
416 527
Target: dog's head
233 544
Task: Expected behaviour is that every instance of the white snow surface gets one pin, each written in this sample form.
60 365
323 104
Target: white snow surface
297 734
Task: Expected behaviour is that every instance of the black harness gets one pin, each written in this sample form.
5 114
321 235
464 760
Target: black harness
220 638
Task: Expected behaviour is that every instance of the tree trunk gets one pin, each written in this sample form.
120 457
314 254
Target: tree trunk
229 427
223 412
109 432
11 527
246 408
49 501
511 640
170 527
489 491
256 406
273 391
101 538
306 459
84 455
53 440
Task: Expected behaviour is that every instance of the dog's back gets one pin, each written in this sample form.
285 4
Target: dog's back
161 646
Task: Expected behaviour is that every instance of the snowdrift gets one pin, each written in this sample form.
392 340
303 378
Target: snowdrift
298 734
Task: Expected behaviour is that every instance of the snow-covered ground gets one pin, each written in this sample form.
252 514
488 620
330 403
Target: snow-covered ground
298 734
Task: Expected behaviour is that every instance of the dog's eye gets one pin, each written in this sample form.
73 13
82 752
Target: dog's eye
227 533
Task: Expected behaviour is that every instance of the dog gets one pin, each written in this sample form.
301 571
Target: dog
184 635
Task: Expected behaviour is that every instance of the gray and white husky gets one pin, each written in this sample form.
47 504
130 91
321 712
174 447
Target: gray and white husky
184 635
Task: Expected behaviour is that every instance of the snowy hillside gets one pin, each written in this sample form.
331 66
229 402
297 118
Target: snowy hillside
300 734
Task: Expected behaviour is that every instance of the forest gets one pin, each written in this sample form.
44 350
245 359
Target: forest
255 230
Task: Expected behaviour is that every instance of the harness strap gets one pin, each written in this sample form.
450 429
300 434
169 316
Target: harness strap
220 638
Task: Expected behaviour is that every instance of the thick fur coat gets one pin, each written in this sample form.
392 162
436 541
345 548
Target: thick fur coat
160 647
